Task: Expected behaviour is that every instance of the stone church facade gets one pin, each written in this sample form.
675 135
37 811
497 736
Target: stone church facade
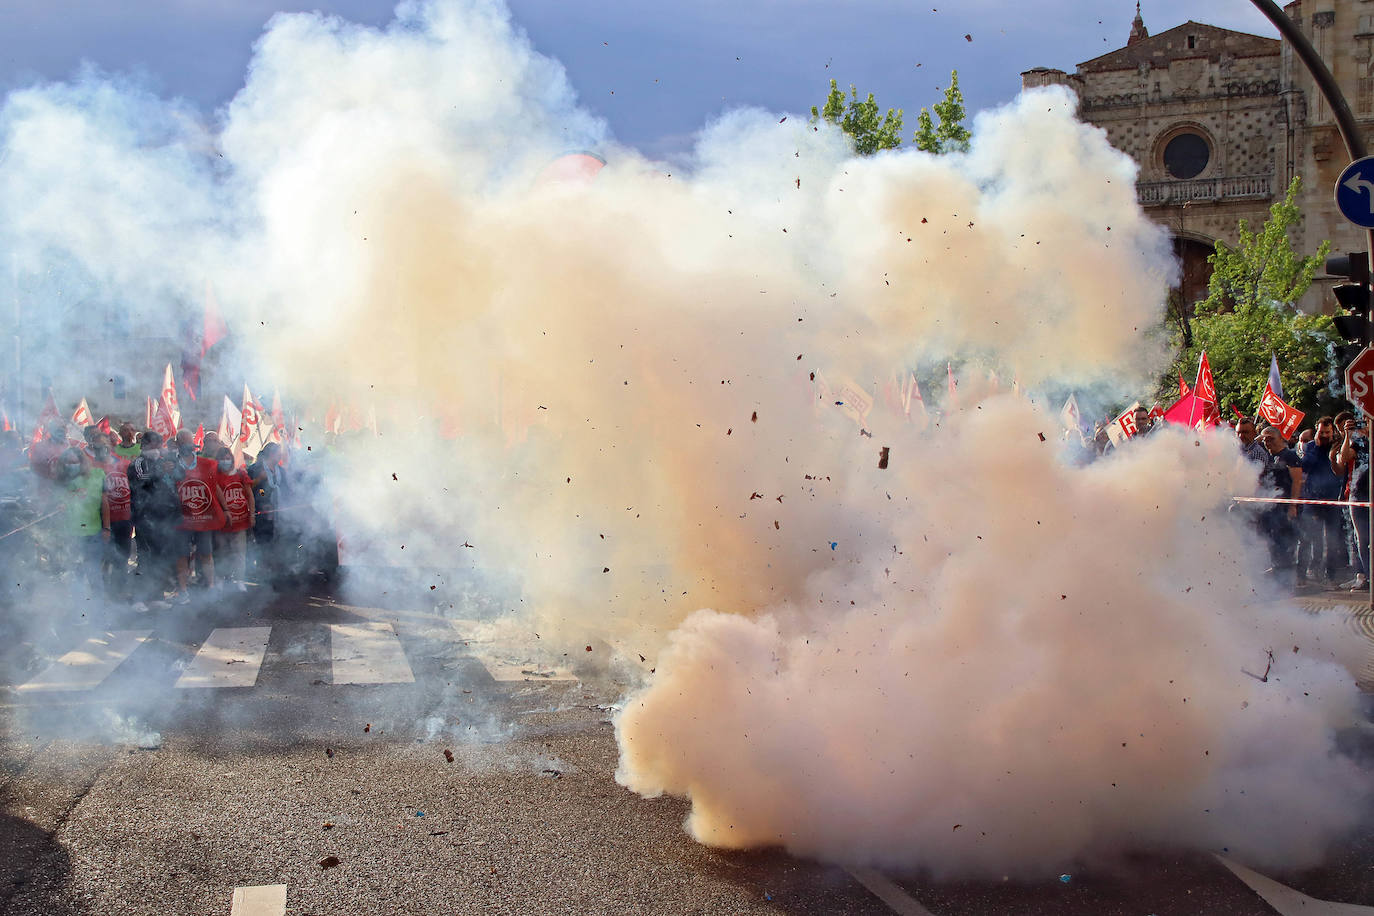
1221 121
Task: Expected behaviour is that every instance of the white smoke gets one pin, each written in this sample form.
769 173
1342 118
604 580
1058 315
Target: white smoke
1046 663
630 364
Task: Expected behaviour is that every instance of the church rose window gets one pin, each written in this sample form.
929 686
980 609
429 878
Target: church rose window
1186 155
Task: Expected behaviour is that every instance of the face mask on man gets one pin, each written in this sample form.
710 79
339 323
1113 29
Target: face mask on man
71 470
152 454
226 465
188 459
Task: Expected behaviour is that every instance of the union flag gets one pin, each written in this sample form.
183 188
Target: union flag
1279 412
1205 388
82 415
162 422
169 398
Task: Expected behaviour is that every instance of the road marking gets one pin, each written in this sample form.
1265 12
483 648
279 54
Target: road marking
887 890
503 660
229 657
368 653
85 667
1288 901
264 900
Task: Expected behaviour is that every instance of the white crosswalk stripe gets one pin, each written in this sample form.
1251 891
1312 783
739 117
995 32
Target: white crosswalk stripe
263 900
368 653
1286 900
229 657
87 666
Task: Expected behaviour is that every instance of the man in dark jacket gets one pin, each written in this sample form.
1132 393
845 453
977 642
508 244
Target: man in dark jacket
1321 528
156 511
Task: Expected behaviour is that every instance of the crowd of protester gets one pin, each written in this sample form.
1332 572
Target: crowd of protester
131 518
1320 537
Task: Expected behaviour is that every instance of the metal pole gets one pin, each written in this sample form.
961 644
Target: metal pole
1354 147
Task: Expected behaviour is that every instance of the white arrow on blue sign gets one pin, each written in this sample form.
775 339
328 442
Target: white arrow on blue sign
1355 192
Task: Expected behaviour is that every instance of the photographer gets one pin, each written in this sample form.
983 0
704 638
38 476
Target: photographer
1350 459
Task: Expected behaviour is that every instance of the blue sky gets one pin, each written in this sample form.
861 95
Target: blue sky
655 71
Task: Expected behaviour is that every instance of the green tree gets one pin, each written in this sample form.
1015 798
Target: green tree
950 135
1250 312
926 138
1262 267
859 119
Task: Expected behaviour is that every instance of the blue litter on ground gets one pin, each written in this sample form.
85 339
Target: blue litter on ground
419 814
1066 878
834 544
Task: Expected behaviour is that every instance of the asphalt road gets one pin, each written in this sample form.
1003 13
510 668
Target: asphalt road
139 796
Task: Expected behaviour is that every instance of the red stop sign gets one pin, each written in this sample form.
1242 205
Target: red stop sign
1359 381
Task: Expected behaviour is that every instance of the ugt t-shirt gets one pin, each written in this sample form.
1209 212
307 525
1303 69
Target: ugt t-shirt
236 487
200 509
117 488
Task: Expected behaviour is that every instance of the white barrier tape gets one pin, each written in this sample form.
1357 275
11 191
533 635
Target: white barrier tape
1299 502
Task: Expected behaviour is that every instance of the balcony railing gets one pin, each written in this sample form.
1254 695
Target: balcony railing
1247 187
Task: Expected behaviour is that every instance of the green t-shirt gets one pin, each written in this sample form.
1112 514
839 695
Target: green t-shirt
129 451
80 501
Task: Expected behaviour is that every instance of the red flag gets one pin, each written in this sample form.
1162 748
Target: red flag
1206 388
1277 411
214 329
1236 410
5 421
331 418
351 420
1157 411
892 394
48 415
278 421
1205 405
1183 389
104 426
82 415
148 414
199 438
1192 412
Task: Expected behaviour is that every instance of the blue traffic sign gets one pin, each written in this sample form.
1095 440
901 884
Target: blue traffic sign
1355 192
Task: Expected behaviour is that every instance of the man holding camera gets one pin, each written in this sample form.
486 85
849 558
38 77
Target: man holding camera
1350 457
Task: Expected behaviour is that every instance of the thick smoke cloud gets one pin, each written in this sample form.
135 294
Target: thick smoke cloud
628 363
1046 662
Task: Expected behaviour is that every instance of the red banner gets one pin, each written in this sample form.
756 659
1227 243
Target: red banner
1205 389
1274 409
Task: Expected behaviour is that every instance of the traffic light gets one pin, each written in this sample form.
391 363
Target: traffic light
1353 294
